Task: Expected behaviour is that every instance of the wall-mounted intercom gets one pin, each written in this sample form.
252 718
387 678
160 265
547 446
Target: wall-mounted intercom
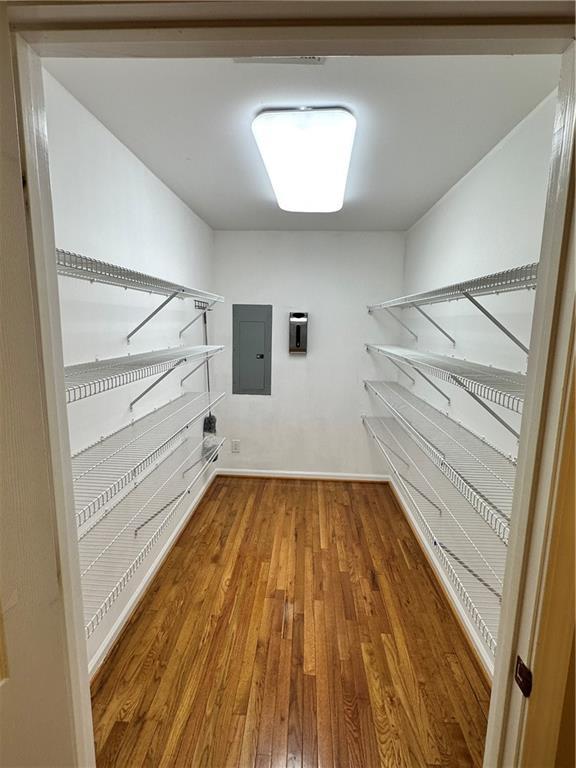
298 333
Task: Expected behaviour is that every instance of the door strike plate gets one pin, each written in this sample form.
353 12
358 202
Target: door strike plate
523 677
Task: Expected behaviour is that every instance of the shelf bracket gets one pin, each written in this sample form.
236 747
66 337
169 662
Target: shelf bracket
203 306
196 367
496 322
492 412
152 314
397 365
156 382
435 386
400 322
435 324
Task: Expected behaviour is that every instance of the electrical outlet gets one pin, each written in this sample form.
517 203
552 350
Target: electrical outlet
235 446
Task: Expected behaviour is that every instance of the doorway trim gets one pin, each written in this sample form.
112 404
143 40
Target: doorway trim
534 508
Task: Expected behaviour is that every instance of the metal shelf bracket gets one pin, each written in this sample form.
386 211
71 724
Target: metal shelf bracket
402 323
152 314
196 368
491 411
435 386
203 306
496 322
156 382
436 325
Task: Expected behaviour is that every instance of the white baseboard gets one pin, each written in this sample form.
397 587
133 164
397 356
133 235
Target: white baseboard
110 639
296 475
482 653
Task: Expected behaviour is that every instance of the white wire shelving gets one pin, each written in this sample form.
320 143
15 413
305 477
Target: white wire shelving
517 279
482 473
88 379
113 551
520 278
103 470
472 557
497 385
69 264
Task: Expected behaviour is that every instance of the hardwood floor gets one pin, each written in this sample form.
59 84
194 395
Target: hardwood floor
295 623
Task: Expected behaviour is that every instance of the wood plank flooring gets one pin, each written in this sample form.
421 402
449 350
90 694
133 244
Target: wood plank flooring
296 623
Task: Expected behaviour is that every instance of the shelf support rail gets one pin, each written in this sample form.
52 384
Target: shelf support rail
152 314
203 306
442 556
496 322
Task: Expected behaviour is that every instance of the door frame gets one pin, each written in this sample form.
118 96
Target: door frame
535 510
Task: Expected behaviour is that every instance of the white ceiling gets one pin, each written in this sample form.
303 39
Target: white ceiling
423 122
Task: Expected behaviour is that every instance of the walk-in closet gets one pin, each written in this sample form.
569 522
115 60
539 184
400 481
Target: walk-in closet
291 304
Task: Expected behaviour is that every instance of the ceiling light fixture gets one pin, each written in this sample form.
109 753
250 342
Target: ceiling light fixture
307 153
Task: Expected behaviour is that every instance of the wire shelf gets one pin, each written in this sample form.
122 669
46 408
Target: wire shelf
88 379
115 549
517 279
71 264
482 474
471 556
505 388
103 470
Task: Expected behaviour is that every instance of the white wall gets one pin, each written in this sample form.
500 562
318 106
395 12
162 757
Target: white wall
109 206
311 421
489 221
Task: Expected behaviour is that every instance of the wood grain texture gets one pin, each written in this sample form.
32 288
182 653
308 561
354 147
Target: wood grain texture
296 623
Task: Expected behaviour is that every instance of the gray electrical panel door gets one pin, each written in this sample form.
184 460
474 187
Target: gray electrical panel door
252 349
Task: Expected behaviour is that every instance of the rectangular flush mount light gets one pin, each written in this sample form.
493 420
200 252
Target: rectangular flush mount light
307 154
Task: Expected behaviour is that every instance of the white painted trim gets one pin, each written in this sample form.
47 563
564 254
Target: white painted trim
533 509
295 475
410 39
34 158
415 39
108 643
482 653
